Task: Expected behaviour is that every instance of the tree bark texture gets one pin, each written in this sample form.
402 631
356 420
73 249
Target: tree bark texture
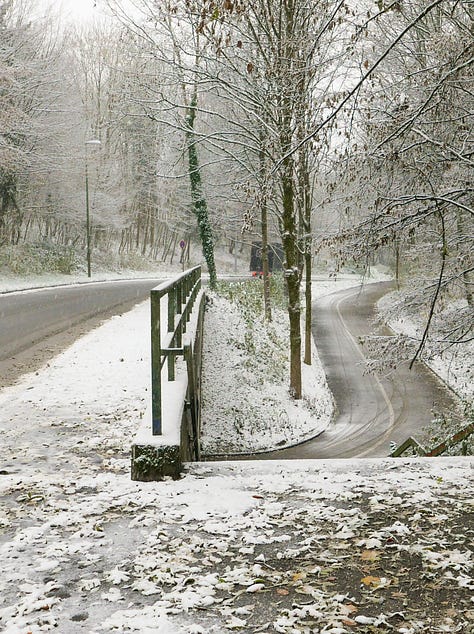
292 276
197 196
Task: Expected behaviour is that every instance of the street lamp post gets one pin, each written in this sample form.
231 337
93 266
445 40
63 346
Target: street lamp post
88 223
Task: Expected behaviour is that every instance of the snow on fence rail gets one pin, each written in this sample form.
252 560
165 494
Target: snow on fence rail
167 343
170 431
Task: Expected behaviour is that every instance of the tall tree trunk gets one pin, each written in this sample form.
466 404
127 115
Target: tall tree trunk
466 276
264 221
292 276
288 222
306 203
397 262
146 231
308 338
152 233
197 196
265 263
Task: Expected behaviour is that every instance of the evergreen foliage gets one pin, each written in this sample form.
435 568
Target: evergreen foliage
197 196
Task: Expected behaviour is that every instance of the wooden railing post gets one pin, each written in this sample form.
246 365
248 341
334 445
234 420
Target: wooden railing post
171 326
179 308
192 395
181 294
155 299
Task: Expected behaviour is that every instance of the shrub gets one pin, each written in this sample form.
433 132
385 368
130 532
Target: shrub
44 257
248 295
265 345
444 427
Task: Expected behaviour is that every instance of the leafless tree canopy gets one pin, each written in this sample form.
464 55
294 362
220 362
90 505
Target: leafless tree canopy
342 130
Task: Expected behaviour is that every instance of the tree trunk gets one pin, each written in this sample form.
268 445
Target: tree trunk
305 219
292 276
265 264
264 221
197 197
397 263
466 276
308 339
288 222
146 231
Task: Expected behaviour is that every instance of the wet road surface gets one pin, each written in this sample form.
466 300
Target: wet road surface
371 411
36 325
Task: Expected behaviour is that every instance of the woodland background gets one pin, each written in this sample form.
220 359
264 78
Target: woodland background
342 130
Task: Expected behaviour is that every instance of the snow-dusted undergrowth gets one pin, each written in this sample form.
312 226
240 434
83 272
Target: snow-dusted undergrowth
455 364
246 405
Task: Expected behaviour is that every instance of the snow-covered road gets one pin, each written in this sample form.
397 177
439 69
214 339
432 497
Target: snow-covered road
37 324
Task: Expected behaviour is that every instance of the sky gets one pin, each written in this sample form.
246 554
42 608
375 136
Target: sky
80 10
75 11
83 9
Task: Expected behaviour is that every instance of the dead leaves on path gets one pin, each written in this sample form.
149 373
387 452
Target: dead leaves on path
315 568
300 558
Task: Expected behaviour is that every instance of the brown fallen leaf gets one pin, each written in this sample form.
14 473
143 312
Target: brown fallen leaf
370 555
371 581
347 609
282 591
376 582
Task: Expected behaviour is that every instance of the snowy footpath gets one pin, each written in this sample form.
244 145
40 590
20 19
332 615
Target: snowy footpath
292 547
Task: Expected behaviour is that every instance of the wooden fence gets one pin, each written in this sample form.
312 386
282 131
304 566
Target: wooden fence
411 443
167 333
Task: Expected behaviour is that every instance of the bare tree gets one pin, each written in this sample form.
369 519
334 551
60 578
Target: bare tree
171 32
278 61
36 124
415 144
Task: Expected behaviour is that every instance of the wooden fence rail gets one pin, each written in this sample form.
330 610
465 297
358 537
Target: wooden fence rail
436 451
177 297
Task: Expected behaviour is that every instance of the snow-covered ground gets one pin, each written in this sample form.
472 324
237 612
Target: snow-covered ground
246 405
455 365
290 547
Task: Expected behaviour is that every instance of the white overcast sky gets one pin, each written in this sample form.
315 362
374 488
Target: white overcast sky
79 11
72 10
82 10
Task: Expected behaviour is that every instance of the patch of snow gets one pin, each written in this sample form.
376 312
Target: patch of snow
454 365
246 406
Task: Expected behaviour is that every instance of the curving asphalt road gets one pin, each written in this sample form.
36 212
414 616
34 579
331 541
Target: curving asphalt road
371 411
36 325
